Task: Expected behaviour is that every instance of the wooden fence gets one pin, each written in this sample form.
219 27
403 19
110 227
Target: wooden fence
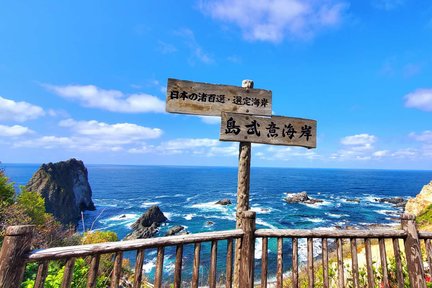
345 244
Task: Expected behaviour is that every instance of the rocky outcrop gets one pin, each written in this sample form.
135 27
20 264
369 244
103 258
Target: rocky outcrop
65 188
301 197
392 200
174 230
419 203
224 202
147 225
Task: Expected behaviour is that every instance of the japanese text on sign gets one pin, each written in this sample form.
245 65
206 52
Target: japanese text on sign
210 99
273 130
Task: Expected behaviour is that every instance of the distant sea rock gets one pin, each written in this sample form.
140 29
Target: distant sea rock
224 202
419 203
65 188
147 225
301 197
174 230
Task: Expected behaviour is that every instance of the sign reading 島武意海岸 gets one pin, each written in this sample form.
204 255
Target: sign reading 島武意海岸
210 99
276 130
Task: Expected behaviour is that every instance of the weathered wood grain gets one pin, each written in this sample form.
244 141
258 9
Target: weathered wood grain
340 262
41 274
294 274
178 266
211 99
93 271
397 256
369 263
138 268
354 262
310 263
16 244
196 264
275 130
279 269
116 274
247 250
68 273
383 260
325 263
264 262
286 233
213 263
159 267
229 263
109 247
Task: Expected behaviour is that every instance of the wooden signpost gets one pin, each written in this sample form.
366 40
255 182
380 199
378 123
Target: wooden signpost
243 112
209 99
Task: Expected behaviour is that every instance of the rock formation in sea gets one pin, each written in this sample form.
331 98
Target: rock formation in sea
65 188
419 203
174 230
224 202
147 225
301 197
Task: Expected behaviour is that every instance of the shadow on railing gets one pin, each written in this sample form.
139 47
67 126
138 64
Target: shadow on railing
313 258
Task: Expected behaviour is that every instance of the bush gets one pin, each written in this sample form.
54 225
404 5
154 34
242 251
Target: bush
7 190
33 205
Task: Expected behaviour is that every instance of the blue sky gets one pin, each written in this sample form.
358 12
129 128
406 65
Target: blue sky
87 79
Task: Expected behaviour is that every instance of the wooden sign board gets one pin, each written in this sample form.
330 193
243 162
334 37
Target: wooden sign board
209 99
276 130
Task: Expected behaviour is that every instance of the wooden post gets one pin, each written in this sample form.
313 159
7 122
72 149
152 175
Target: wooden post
413 252
16 244
247 259
243 186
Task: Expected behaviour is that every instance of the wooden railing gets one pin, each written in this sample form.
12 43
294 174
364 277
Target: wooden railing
323 265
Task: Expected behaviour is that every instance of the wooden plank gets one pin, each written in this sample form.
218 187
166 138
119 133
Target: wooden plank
93 271
275 130
159 267
247 262
303 233
369 263
211 99
16 244
413 252
354 260
429 254
229 263
138 268
41 274
294 274
196 264
325 263
213 264
178 266
264 262
68 273
383 260
116 274
109 247
340 264
279 270
310 264
397 255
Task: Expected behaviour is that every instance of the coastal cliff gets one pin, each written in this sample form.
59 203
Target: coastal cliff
65 188
418 204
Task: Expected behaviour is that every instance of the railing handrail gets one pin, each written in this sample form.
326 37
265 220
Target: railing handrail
301 233
110 247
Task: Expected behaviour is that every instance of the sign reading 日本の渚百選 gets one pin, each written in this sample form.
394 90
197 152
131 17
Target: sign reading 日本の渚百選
197 98
276 130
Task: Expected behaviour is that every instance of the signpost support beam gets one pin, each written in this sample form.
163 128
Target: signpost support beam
243 185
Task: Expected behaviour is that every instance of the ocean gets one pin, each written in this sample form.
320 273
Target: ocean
187 196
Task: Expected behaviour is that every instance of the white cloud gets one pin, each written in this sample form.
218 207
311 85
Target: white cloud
273 20
13 131
359 140
195 146
283 153
111 100
94 136
387 4
381 153
11 110
212 120
116 132
425 136
420 99
197 51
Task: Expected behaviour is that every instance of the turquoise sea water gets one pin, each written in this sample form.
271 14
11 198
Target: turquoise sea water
187 195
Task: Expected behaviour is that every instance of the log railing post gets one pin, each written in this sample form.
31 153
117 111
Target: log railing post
16 244
243 186
413 252
247 258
